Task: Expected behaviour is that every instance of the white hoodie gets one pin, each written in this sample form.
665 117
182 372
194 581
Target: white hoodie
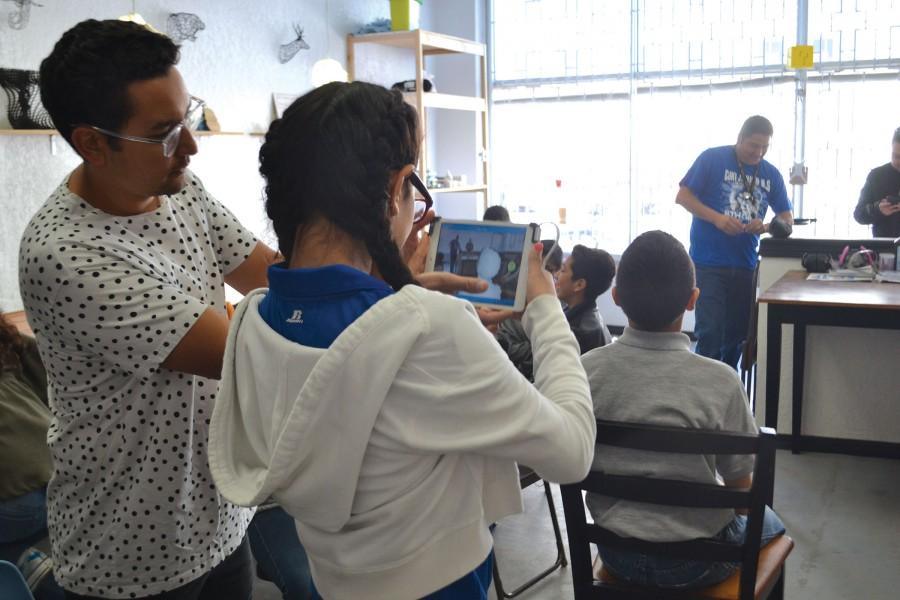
394 448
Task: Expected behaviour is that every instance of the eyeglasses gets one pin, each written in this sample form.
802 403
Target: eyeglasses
169 141
422 205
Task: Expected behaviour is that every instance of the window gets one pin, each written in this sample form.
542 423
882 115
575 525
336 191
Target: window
600 106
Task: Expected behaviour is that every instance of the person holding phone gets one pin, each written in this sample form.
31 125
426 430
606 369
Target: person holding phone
879 201
383 416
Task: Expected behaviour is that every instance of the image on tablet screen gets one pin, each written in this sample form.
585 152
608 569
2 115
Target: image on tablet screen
489 252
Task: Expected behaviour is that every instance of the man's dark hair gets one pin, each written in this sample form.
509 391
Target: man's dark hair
596 267
551 247
655 280
896 139
756 124
496 213
84 81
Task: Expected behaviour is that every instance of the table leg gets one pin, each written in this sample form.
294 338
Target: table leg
773 365
797 394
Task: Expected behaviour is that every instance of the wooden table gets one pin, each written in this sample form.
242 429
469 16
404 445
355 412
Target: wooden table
794 300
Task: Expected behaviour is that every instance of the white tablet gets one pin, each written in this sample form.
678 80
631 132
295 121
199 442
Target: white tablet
490 250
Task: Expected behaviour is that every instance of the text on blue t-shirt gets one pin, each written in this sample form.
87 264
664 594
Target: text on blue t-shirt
715 178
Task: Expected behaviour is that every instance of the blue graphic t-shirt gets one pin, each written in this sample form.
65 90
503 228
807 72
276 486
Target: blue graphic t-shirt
715 178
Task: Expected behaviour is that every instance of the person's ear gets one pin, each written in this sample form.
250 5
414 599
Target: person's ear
92 145
395 189
579 285
692 301
615 295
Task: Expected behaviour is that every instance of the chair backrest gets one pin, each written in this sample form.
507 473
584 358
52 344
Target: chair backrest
12 584
671 493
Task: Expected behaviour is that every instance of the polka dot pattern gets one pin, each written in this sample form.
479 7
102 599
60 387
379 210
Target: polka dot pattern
132 507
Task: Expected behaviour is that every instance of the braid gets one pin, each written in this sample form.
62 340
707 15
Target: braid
285 215
386 254
332 155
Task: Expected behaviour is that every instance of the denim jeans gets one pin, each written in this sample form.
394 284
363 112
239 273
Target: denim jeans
723 312
473 585
280 557
23 517
667 572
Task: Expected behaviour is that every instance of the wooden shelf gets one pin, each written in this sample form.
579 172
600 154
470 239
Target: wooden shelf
194 133
28 132
458 189
422 44
451 101
432 43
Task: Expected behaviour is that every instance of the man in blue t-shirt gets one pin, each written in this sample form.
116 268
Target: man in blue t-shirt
728 189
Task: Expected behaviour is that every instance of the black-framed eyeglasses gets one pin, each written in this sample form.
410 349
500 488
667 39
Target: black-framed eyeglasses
424 203
170 140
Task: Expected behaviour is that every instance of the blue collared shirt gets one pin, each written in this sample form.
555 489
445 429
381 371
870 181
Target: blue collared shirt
313 306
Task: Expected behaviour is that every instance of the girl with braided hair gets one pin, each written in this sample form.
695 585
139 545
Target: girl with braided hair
382 416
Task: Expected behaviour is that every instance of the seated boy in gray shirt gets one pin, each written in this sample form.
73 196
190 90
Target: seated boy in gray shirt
651 376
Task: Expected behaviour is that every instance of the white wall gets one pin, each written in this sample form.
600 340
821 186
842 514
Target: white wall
233 65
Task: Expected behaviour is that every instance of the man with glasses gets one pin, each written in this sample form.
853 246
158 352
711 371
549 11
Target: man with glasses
728 190
122 273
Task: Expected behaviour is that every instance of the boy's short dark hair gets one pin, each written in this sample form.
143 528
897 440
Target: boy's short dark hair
756 124
896 138
496 213
655 280
596 267
85 78
551 247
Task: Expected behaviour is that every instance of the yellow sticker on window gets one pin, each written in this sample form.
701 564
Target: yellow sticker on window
801 57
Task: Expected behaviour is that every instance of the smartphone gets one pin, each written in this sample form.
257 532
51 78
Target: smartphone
490 250
893 199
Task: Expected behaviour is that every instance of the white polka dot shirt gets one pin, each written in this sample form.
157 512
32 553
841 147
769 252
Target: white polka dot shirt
132 508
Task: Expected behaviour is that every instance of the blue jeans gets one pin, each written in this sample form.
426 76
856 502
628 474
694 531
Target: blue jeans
723 312
472 586
23 517
280 557
667 572
23 523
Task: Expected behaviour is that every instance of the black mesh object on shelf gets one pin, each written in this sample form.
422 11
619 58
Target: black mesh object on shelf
25 110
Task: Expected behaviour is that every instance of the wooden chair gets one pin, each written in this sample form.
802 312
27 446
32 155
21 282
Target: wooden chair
761 574
12 584
526 478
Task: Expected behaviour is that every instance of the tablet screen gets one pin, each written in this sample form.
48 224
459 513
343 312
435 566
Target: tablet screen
490 252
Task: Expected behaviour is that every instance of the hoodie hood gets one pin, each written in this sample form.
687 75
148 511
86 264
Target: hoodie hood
292 422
